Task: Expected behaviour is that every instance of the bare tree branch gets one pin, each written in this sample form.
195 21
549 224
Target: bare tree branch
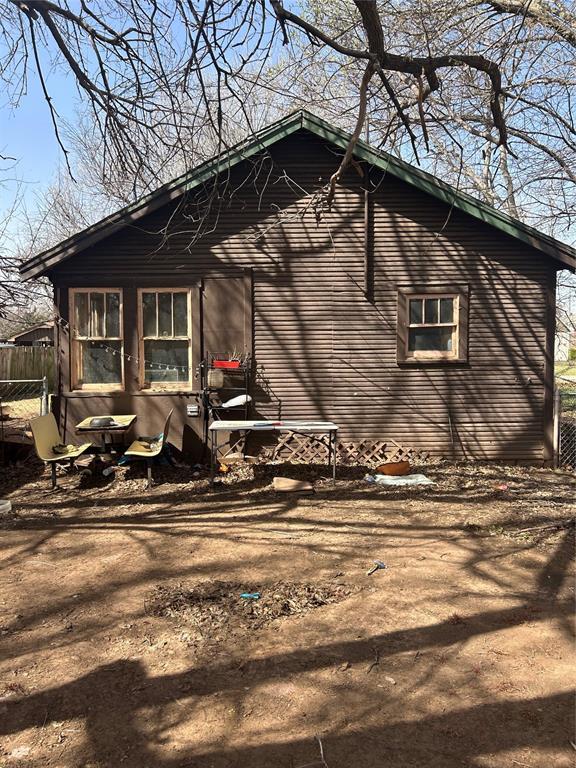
553 15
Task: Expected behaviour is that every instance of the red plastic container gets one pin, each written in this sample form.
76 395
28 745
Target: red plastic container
226 363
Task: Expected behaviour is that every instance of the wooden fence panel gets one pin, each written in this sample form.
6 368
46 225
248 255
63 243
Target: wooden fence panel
28 363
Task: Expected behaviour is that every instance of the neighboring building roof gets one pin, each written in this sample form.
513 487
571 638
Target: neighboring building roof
45 261
47 325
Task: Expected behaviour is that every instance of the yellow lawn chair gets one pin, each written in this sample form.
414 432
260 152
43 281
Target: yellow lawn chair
46 436
148 448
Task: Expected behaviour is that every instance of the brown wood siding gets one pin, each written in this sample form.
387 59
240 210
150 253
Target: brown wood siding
322 348
35 337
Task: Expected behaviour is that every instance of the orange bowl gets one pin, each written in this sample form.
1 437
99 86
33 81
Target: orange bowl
394 468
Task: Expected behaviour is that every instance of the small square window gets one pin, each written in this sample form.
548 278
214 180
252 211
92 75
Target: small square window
432 324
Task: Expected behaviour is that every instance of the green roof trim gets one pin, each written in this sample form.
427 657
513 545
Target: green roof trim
425 182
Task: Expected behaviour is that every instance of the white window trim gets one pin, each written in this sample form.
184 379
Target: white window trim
430 354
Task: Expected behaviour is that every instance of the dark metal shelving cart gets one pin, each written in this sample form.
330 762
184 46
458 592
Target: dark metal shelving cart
223 378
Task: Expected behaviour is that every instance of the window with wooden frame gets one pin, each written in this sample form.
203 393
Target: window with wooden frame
164 338
97 360
433 324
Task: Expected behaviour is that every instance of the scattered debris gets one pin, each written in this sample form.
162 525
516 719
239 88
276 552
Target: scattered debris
279 547
378 566
415 479
390 680
472 527
61 448
212 608
250 595
23 751
14 687
289 485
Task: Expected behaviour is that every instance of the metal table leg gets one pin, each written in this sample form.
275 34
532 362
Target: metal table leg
334 438
211 433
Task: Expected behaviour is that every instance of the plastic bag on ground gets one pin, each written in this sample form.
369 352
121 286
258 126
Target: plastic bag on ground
415 479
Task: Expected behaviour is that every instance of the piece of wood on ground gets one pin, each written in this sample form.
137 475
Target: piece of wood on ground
289 485
239 458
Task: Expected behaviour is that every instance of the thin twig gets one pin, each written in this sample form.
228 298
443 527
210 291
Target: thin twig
376 661
558 525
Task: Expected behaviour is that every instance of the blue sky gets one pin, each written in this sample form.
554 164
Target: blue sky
27 134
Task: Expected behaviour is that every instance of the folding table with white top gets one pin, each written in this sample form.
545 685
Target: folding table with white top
297 427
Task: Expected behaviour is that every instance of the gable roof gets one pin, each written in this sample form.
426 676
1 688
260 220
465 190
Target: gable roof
47 325
425 182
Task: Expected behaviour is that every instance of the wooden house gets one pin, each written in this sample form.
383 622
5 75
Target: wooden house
406 312
39 335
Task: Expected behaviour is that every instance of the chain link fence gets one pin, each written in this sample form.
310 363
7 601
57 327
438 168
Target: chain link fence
20 401
566 407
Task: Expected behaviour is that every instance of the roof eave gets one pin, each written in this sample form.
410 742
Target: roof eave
45 261
42 263
425 182
48 325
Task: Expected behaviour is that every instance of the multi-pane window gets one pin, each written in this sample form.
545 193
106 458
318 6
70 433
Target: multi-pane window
97 342
433 325
165 343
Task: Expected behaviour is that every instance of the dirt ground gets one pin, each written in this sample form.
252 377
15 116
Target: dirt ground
458 653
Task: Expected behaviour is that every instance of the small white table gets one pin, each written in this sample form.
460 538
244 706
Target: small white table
297 427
